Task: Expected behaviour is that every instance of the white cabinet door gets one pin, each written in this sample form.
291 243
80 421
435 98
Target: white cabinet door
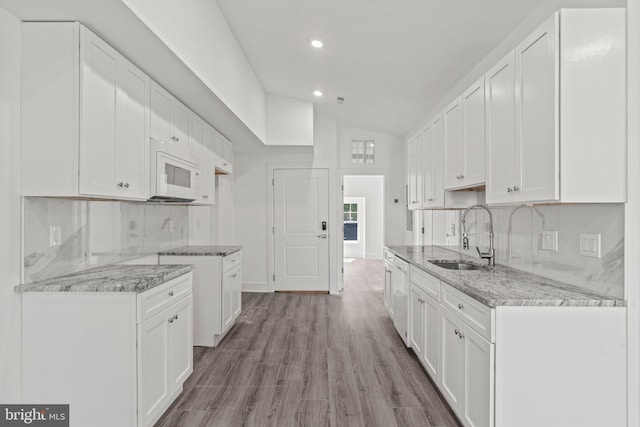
161 106
153 367
478 379
98 105
236 296
427 197
451 371
414 162
387 288
431 353
537 103
133 127
180 343
473 134
416 324
227 299
453 146
180 117
437 170
503 152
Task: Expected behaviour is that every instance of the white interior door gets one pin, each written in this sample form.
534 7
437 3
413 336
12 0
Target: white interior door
301 229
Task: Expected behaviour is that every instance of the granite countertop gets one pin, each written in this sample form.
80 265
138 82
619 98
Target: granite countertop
110 278
205 250
501 285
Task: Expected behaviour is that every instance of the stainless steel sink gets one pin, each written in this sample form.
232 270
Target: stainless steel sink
455 265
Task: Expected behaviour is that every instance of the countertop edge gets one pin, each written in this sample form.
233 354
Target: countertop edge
515 302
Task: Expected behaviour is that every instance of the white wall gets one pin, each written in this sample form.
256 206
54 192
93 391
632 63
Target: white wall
632 214
10 326
371 188
389 162
251 200
289 121
198 33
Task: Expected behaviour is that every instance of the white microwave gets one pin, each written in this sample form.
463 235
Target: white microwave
175 174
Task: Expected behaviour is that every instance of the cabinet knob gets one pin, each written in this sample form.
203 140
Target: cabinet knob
429 200
175 317
170 293
461 335
516 188
171 319
226 164
461 176
456 332
126 185
509 189
121 184
460 306
235 275
205 197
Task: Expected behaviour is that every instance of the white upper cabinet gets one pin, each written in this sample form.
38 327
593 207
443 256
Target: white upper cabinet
503 154
473 134
432 164
201 148
569 113
464 139
169 117
414 163
85 120
453 145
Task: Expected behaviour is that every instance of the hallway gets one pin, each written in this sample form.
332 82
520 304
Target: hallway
311 360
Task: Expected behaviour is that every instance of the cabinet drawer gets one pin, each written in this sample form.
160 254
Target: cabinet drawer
157 299
231 261
429 284
401 265
474 313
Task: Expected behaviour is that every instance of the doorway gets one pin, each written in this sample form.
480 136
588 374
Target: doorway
301 236
363 217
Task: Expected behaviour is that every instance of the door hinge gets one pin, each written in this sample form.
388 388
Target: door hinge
274 277
422 230
342 270
342 187
273 230
273 181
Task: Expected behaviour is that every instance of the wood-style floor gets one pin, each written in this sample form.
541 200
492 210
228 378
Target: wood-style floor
311 360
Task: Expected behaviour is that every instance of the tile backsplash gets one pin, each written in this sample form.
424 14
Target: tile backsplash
518 241
95 233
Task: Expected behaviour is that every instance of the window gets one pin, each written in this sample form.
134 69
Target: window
350 217
363 151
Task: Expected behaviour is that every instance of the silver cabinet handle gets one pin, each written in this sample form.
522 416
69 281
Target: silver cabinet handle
126 185
322 236
205 197
456 332
235 275
461 335
170 293
516 188
509 189
121 184
429 200
171 319
175 317
460 306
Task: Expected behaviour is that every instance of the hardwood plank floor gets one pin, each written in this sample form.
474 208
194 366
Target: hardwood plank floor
311 360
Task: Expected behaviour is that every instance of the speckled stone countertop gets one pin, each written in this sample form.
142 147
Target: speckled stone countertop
501 285
202 251
110 278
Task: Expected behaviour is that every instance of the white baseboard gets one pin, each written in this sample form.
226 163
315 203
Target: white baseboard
256 287
373 256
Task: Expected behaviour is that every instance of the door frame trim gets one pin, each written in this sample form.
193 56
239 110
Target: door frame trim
271 266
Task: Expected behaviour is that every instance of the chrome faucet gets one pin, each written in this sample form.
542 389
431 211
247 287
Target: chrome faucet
490 254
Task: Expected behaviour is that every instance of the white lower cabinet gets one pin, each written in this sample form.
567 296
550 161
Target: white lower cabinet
519 365
217 289
117 358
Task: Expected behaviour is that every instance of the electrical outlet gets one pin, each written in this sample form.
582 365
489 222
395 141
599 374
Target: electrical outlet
550 240
55 235
590 245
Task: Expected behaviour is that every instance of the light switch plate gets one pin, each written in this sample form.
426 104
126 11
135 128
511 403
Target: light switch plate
590 245
550 240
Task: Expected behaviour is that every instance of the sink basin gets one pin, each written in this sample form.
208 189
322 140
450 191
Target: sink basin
455 265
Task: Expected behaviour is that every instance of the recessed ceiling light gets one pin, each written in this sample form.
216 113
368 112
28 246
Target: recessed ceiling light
318 93
317 43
